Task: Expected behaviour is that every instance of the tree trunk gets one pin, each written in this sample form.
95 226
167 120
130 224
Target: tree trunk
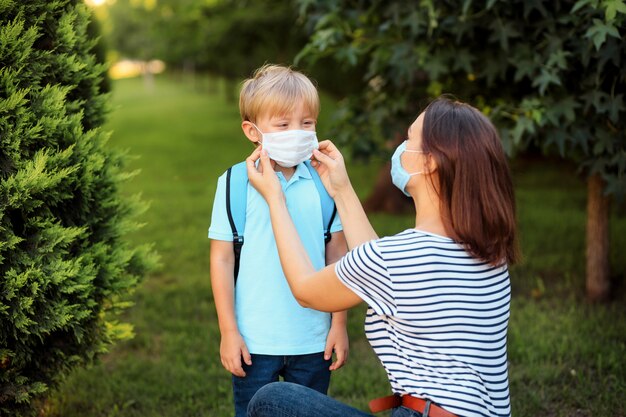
189 71
598 283
148 76
385 196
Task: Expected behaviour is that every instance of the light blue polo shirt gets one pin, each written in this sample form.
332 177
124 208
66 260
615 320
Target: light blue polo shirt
268 316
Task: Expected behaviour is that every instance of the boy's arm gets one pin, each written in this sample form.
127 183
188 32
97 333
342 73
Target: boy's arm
336 248
337 339
232 345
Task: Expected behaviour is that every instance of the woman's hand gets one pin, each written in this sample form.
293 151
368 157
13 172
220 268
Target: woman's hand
263 178
331 168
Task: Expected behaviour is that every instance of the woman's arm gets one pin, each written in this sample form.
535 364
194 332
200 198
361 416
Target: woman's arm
331 168
320 290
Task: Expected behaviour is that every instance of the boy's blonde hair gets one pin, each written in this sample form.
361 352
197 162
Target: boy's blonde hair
275 89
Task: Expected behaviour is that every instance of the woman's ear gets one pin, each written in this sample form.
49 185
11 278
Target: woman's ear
430 165
251 132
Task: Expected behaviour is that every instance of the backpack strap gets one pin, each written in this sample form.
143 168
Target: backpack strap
329 210
236 201
237 197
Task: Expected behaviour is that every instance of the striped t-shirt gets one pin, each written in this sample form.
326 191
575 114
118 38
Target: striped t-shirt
437 319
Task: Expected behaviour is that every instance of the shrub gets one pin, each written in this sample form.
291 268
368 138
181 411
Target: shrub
66 268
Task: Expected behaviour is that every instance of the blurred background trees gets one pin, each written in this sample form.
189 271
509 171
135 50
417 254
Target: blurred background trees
228 37
225 38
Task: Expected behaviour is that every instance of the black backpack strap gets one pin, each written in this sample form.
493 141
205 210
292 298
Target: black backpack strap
237 238
327 235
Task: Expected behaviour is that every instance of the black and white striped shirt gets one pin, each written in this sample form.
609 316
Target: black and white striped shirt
437 319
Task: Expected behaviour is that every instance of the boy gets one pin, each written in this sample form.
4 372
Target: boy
265 332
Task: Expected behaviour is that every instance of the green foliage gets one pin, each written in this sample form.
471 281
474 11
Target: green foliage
229 38
134 29
226 37
549 74
243 35
64 265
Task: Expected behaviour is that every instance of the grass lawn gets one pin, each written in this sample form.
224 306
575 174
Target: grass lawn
566 356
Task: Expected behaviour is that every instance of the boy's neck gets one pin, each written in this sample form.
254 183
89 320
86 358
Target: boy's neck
287 172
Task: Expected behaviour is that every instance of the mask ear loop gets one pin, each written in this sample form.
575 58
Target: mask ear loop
259 130
414 151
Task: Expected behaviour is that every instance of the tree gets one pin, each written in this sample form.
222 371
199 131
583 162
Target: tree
66 268
227 38
147 29
549 73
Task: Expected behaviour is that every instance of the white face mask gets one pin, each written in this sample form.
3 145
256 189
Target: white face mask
289 147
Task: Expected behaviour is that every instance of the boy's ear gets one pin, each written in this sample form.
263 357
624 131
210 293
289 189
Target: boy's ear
251 132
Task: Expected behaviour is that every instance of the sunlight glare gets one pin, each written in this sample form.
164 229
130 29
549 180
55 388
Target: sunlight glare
95 2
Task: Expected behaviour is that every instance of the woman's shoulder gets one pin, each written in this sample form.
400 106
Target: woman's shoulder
408 243
431 248
419 243
415 236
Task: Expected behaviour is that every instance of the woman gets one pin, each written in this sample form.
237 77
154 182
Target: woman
438 294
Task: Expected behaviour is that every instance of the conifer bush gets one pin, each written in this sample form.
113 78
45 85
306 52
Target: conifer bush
66 269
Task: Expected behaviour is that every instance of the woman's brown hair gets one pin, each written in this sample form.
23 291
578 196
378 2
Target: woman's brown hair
475 187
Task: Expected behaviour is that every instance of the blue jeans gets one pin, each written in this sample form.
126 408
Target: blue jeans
282 399
307 370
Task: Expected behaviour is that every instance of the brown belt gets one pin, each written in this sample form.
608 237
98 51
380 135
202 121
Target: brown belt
427 408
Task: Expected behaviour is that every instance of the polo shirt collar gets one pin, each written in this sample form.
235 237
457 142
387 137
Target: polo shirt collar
302 171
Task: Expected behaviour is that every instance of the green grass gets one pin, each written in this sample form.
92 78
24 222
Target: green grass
566 356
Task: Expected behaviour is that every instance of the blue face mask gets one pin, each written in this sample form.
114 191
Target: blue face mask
399 176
